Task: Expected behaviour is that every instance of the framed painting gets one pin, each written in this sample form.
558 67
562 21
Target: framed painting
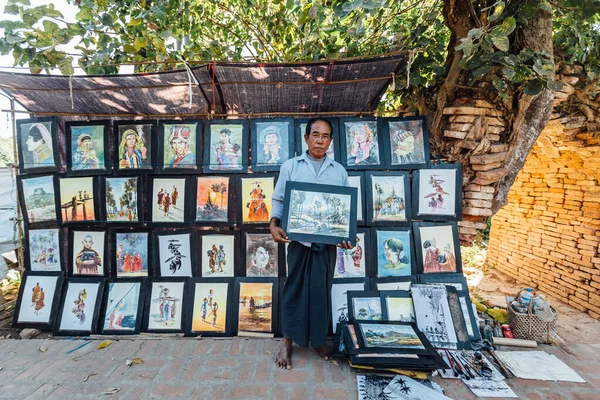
437 193
214 201
360 143
168 197
458 319
37 145
37 195
87 249
364 305
123 198
393 251
44 250
134 149
226 146
397 306
129 253
123 306
469 315
390 337
393 283
166 305
350 337
339 298
174 254
456 280
261 255
178 148
212 307
38 300
332 152
87 147
339 344
438 247
352 263
255 193
433 315
319 213
388 198
357 180
257 307
78 199
272 142
79 309
406 142
219 253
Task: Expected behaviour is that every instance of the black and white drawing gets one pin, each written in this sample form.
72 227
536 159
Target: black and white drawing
433 315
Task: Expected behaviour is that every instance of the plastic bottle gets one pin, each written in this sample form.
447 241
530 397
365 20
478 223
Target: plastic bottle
488 331
497 330
506 331
526 296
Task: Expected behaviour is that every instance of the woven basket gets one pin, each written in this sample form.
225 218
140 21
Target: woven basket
531 327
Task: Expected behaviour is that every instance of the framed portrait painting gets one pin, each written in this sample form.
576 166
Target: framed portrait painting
353 263
255 193
360 143
406 142
226 146
134 149
438 247
79 307
87 147
174 253
177 146
437 193
37 196
130 255
332 152
262 256
37 145
87 249
123 306
123 199
38 300
319 213
393 251
214 200
44 252
388 198
78 199
272 142
168 197
212 311
256 311
166 305
218 253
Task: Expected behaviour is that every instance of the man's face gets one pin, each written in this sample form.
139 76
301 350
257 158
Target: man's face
32 144
318 140
179 147
87 243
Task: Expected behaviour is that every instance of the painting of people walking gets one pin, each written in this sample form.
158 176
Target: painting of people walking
131 254
255 307
212 199
122 199
175 258
218 256
168 200
256 192
122 305
134 149
77 200
80 306
38 198
210 307
165 306
44 250
37 299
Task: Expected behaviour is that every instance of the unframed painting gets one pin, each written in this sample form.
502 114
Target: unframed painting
88 252
79 306
212 197
165 306
257 192
77 199
168 204
122 306
38 298
210 307
40 202
255 307
393 253
122 199
44 250
218 258
175 255
131 254
262 255
438 249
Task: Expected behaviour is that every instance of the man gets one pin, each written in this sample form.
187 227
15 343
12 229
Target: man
306 302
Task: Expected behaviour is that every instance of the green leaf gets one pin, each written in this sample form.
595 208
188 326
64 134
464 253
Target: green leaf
501 42
30 52
481 71
107 19
83 14
135 22
351 5
533 87
508 72
500 6
543 67
12 39
500 84
554 85
12 9
50 26
290 4
508 26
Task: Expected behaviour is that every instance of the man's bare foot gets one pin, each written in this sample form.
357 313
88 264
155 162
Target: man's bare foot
325 352
283 358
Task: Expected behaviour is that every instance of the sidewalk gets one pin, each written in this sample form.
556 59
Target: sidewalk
235 368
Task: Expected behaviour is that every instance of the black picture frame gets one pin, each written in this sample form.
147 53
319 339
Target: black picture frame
140 200
52 132
375 151
106 167
419 244
469 315
60 247
401 294
401 281
411 124
419 174
244 257
372 219
140 309
361 200
354 294
458 319
313 236
67 216
274 306
258 147
231 192
456 279
228 309
27 275
185 199
183 305
194 167
149 134
29 223
301 145
202 254
95 310
349 336
156 252
210 167
340 349
103 268
336 318
365 248
378 254
114 247
427 347
244 204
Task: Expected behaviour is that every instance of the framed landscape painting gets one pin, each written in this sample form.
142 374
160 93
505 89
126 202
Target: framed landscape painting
397 306
174 253
38 300
360 143
406 142
218 253
78 199
37 145
38 199
255 193
88 252
437 193
214 200
332 152
123 199
438 247
226 146
257 306
393 251
212 314
123 306
44 252
391 337
364 305
388 198
134 148
87 147
177 146
79 307
130 255
165 305
272 142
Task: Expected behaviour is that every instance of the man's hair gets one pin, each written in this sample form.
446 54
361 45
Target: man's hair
311 121
35 134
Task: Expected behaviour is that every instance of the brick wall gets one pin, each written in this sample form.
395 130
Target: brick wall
548 235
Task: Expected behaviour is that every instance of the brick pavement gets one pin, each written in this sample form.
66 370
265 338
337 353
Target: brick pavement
235 368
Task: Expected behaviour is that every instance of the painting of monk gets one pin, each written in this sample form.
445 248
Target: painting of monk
256 199
438 249
89 258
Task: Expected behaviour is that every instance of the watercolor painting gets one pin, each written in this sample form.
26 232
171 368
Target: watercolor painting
79 306
38 298
212 199
226 142
88 252
390 336
400 309
36 144
168 200
179 146
255 307
319 213
210 307
134 146
39 197
165 306
273 141
257 192
362 147
122 199
77 199
367 308
122 306
262 255
131 254
217 254
175 257
438 249
44 250
87 147
433 315
350 263
389 199
407 143
393 253
437 191
339 301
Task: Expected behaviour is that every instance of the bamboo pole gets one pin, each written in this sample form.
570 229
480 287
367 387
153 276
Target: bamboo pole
15 166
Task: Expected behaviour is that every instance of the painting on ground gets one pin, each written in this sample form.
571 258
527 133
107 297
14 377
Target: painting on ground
255 307
218 257
339 301
39 198
366 308
87 147
212 199
44 250
122 199
390 336
168 200
122 306
134 146
37 299
179 146
400 309
350 263
131 254
393 253
257 193
165 306
175 257
438 249
262 255
79 306
88 252
36 144
77 199
210 307
362 143
226 147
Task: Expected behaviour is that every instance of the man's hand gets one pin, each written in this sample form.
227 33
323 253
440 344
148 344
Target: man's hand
277 233
347 245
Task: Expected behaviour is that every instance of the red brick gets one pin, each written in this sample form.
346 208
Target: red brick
172 369
247 392
261 371
327 393
299 393
291 376
189 372
169 391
